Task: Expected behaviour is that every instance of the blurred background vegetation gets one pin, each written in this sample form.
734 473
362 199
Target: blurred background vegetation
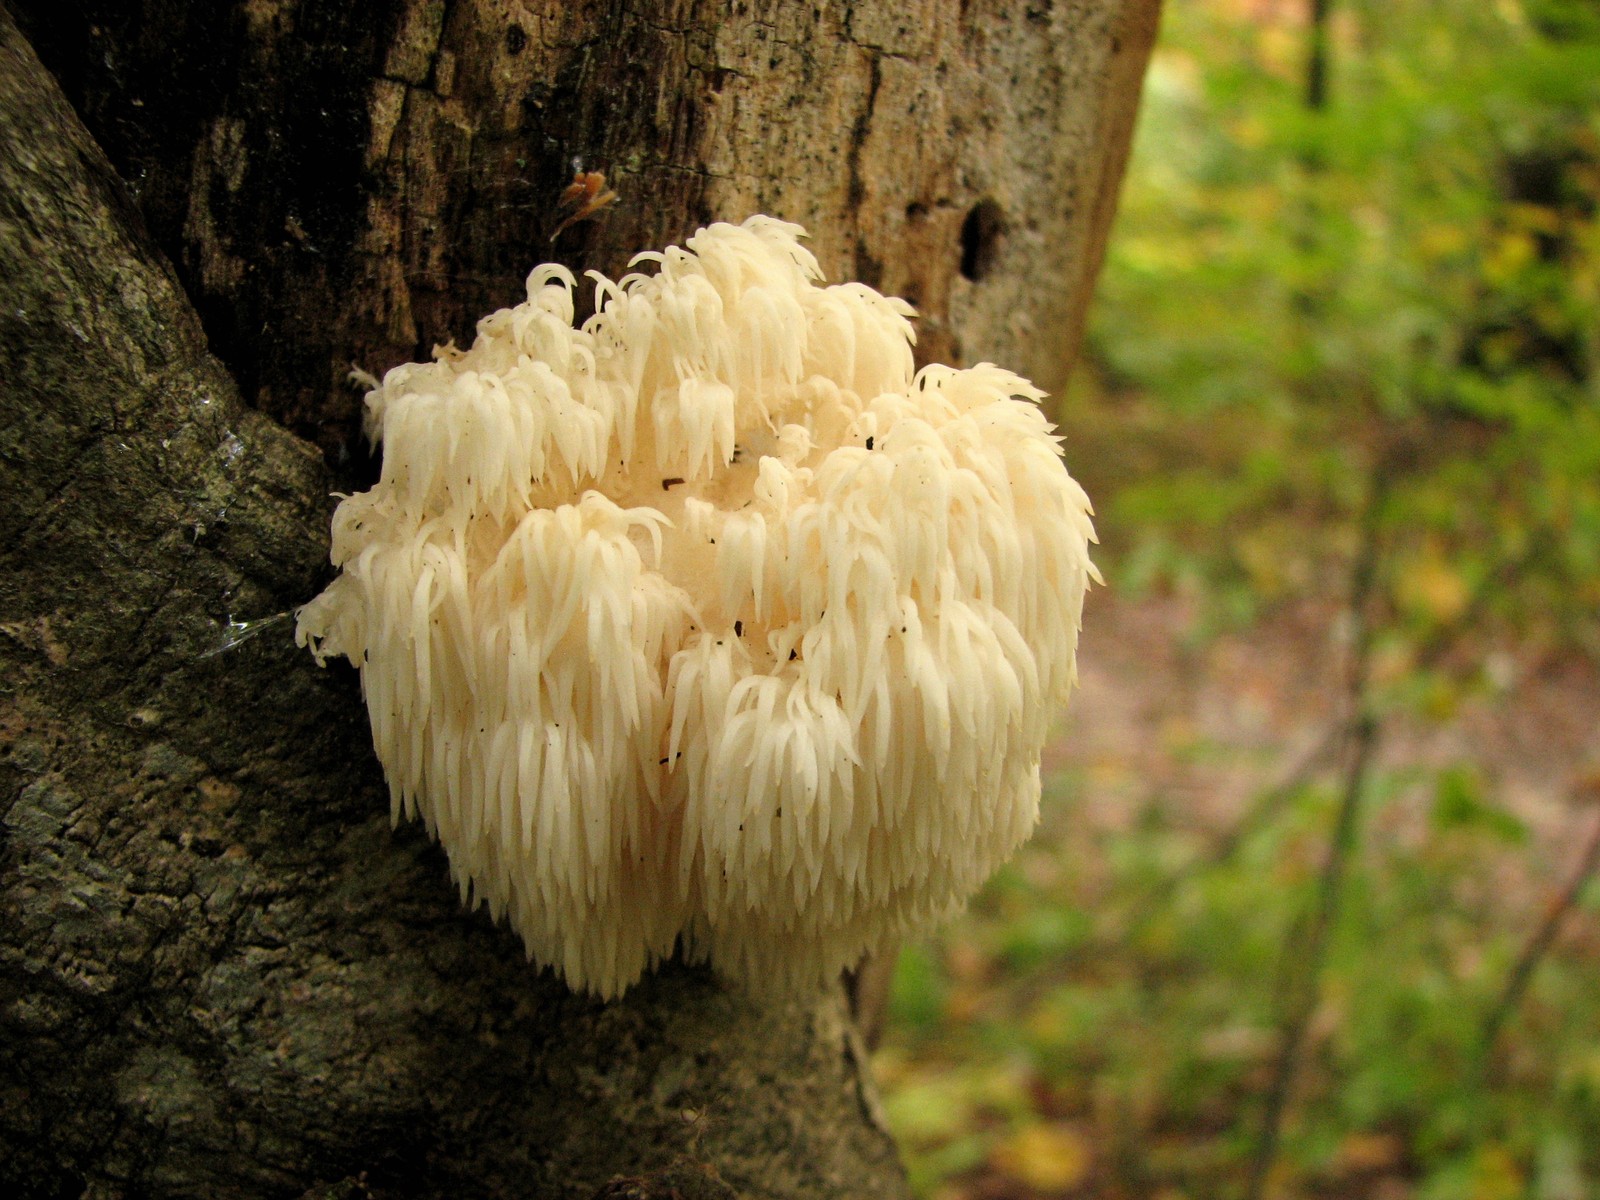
1311 910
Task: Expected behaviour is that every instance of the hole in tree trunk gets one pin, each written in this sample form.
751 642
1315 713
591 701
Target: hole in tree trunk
981 233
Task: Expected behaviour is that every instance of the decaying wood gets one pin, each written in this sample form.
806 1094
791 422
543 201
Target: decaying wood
221 974
343 183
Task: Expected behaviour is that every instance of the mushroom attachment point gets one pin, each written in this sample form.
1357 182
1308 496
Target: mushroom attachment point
710 626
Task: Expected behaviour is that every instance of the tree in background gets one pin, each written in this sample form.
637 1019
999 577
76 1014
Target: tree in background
1400 279
1354 308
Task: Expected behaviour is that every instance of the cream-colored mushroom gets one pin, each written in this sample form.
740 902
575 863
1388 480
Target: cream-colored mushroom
709 625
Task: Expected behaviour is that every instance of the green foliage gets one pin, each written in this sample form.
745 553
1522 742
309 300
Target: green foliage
1404 283
1149 1024
1369 329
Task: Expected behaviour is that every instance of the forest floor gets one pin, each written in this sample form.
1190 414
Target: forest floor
1201 723
1107 1018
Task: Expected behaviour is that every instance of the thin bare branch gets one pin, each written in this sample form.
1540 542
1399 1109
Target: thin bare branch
1305 949
1537 945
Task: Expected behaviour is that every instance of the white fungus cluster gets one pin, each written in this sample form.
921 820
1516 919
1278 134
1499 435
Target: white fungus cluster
709 625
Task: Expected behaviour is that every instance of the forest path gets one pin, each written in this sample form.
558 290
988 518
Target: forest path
1199 725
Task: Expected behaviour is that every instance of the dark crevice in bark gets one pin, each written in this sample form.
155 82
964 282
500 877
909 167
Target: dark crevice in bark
243 147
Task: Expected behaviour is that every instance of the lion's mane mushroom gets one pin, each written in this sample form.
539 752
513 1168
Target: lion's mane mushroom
710 624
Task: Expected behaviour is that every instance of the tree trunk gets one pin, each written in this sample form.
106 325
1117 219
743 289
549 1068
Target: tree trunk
221 974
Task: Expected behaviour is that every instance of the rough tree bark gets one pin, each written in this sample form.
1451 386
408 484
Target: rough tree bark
221 974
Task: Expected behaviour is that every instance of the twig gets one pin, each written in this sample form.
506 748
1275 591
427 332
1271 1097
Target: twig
1261 813
1300 977
1271 802
1317 59
1300 974
1543 938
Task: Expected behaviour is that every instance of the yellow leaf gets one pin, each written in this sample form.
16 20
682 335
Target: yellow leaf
929 1112
1442 241
1433 586
1536 217
1047 1158
1496 1176
1510 252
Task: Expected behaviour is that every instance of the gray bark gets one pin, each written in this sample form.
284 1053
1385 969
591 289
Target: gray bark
221 973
